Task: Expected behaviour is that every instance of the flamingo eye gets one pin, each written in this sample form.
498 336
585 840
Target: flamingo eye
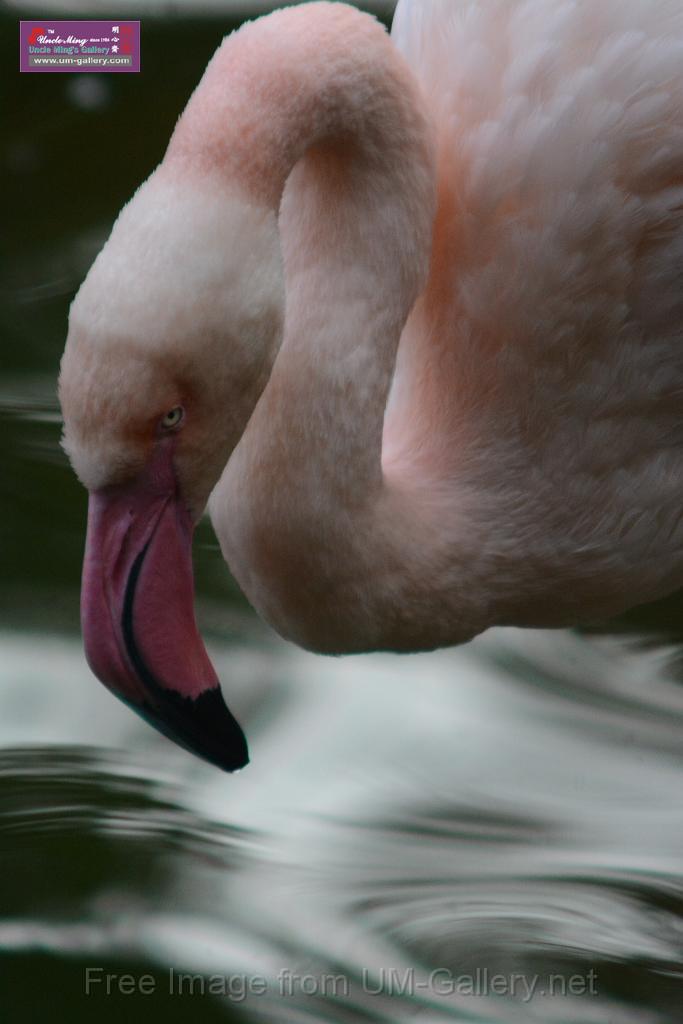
173 418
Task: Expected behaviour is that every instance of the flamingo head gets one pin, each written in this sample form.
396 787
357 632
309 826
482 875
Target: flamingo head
171 340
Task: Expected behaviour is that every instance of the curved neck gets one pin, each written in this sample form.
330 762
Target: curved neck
321 88
312 112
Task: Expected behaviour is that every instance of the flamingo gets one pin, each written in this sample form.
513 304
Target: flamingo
406 311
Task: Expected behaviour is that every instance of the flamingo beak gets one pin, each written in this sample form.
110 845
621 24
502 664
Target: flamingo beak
137 612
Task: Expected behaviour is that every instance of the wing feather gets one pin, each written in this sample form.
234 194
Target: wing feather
547 350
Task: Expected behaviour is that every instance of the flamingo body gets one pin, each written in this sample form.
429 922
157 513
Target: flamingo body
410 309
542 366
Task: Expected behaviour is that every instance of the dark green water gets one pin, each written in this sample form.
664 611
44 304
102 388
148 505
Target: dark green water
409 828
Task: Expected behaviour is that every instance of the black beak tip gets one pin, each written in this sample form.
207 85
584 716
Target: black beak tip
203 725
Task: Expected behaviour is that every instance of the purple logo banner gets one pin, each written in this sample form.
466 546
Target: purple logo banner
47 45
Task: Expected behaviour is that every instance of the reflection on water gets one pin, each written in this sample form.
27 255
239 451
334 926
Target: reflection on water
409 828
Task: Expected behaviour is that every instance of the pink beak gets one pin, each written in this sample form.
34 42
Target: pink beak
137 612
